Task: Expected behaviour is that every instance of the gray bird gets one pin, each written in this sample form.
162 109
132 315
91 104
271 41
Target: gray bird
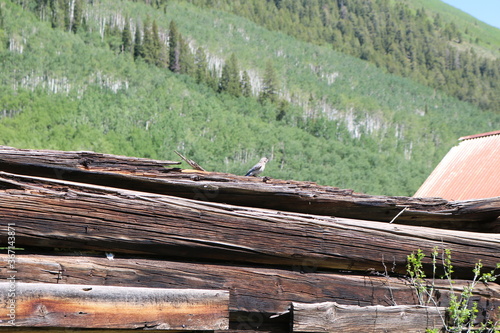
257 168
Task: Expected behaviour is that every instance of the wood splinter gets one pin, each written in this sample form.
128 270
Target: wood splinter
192 163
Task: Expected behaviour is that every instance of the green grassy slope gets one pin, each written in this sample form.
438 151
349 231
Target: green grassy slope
350 124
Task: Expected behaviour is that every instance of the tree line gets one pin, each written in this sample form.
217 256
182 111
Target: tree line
405 41
174 54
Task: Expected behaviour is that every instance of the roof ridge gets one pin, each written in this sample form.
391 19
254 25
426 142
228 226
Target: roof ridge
475 136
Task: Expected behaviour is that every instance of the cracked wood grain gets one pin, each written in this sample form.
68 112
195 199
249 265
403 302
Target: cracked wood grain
63 214
91 306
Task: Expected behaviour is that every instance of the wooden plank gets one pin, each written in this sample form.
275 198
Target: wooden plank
97 218
304 284
333 317
85 160
91 306
282 328
301 197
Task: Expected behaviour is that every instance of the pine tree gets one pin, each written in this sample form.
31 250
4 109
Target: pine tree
127 43
213 79
186 58
148 48
269 84
57 16
230 78
235 78
246 87
224 79
65 6
173 48
138 43
202 75
77 16
159 59
113 36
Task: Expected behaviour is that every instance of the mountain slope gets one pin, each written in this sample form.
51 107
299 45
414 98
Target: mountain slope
342 121
484 38
406 40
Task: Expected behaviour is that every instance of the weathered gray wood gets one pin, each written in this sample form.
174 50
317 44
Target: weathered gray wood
191 163
91 306
333 317
261 329
93 217
267 291
302 197
62 330
86 160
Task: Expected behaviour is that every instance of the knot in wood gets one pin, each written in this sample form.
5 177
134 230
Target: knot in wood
85 162
195 178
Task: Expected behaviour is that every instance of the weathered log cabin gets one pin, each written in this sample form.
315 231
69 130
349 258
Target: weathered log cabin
115 244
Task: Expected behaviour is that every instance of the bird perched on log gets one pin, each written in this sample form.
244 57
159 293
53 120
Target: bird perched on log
257 168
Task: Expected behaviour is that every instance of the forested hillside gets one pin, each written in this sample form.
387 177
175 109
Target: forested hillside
145 78
403 37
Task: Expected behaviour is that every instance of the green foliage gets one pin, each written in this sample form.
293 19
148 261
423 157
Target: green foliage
202 73
174 48
246 85
416 274
149 50
127 42
138 50
270 84
461 312
230 78
186 58
327 117
76 21
399 36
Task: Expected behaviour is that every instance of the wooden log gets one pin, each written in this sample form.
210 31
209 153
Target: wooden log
258 291
294 196
273 329
90 306
85 160
97 218
333 317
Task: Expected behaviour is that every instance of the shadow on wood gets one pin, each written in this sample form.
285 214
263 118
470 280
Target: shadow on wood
302 197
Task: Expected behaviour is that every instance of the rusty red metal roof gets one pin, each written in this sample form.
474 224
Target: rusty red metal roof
478 135
470 170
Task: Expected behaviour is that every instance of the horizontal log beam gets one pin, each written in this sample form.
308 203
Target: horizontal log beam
83 160
333 317
97 218
273 329
245 284
91 306
302 197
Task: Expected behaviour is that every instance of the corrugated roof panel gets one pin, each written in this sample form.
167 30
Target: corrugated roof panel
470 170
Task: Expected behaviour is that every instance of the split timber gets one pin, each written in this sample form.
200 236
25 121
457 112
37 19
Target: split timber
83 218
294 196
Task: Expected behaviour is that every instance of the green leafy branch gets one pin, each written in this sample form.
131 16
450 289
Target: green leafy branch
461 313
